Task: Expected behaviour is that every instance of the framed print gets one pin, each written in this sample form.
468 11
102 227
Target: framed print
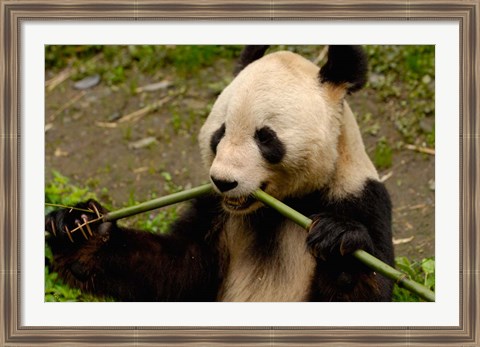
81 81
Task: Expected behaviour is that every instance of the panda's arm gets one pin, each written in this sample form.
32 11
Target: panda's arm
133 265
361 222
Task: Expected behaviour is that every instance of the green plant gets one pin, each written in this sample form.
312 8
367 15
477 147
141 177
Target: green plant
60 191
422 272
170 186
116 64
403 77
383 155
127 132
161 222
188 59
176 122
59 56
430 139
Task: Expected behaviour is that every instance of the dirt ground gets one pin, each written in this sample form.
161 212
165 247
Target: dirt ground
129 143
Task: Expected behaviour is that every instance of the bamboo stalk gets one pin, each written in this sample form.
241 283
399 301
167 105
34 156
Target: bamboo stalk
425 150
374 263
136 115
70 207
285 210
399 277
157 203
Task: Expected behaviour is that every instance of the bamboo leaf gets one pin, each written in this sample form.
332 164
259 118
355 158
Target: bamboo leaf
159 202
428 266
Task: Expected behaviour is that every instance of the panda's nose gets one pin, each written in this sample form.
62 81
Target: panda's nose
222 185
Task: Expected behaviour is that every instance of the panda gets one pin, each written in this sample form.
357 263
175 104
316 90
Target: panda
282 125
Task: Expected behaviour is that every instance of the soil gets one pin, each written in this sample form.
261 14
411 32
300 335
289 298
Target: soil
87 141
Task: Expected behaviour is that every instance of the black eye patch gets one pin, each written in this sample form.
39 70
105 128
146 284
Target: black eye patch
272 149
216 138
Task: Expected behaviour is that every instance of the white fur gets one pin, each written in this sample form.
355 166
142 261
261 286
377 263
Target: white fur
284 277
324 148
323 143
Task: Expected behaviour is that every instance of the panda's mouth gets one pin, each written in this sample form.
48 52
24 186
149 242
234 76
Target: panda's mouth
241 204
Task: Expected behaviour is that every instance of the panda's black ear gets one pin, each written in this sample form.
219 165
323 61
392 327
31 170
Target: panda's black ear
248 55
345 65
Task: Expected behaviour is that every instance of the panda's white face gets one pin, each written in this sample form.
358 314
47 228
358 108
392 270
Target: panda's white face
274 127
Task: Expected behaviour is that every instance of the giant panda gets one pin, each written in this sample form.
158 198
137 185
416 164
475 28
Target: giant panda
282 125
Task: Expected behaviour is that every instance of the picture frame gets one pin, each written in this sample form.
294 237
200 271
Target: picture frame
15 13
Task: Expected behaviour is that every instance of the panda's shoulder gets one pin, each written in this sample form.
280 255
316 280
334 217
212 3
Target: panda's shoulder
373 196
200 219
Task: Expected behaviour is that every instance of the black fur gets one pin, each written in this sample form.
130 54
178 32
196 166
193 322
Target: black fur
187 264
266 225
272 149
216 138
362 222
345 64
341 227
249 55
132 265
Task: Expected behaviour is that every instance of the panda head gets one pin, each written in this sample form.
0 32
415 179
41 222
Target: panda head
281 126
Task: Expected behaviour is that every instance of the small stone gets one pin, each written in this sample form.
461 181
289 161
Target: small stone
427 125
426 79
114 116
154 86
87 82
431 184
142 143
60 153
377 80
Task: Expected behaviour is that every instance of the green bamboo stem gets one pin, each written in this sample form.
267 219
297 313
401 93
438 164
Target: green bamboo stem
285 210
374 263
399 277
157 203
305 222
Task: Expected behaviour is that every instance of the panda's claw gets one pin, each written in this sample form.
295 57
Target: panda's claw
53 229
71 228
80 226
94 206
69 234
85 220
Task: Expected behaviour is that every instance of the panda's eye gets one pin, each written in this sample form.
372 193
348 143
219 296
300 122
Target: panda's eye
216 138
272 149
264 135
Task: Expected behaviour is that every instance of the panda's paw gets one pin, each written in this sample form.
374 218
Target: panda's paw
71 228
332 237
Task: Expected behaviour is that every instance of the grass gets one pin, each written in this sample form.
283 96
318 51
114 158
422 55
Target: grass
422 272
116 64
406 75
383 155
60 191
